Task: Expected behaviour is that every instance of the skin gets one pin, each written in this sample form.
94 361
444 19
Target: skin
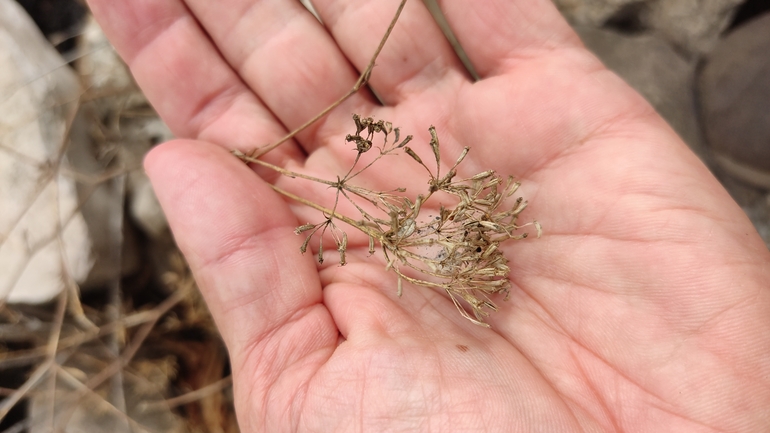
643 307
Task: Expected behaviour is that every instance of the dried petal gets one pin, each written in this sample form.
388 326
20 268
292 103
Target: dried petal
304 228
492 248
403 143
417 205
407 228
320 251
411 153
512 186
303 247
521 205
434 144
462 156
342 247
483 175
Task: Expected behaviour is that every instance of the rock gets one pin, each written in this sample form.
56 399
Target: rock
693 26
44 240
754 202
100 66
655 70
734 90
593 13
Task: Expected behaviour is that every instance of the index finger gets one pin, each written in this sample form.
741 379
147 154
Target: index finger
184 77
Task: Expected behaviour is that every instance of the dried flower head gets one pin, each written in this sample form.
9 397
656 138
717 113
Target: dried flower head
457 250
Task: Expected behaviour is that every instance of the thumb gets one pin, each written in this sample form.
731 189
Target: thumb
237 236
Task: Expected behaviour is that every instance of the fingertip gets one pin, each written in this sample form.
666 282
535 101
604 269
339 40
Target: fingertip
212 199
166 158
155 157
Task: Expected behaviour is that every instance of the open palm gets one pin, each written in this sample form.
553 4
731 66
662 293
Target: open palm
644 306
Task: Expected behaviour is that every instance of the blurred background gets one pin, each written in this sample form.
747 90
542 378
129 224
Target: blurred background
101 325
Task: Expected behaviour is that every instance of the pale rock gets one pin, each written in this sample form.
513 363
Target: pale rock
592 13
693 26
43 237
99 65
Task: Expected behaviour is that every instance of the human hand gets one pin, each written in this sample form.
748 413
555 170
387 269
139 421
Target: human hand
644 307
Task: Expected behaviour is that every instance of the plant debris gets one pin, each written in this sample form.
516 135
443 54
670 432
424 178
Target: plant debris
458 250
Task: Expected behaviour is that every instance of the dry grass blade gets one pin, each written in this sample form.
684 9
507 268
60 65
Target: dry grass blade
127 354
16 396
198 393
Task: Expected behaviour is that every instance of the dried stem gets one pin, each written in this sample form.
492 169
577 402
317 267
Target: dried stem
198 394
131 425
53 342
125 357
362 80
40 372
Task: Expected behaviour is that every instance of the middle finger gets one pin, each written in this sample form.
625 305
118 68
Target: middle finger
417 56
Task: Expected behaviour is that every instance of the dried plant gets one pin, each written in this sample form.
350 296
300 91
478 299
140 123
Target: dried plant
457 250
